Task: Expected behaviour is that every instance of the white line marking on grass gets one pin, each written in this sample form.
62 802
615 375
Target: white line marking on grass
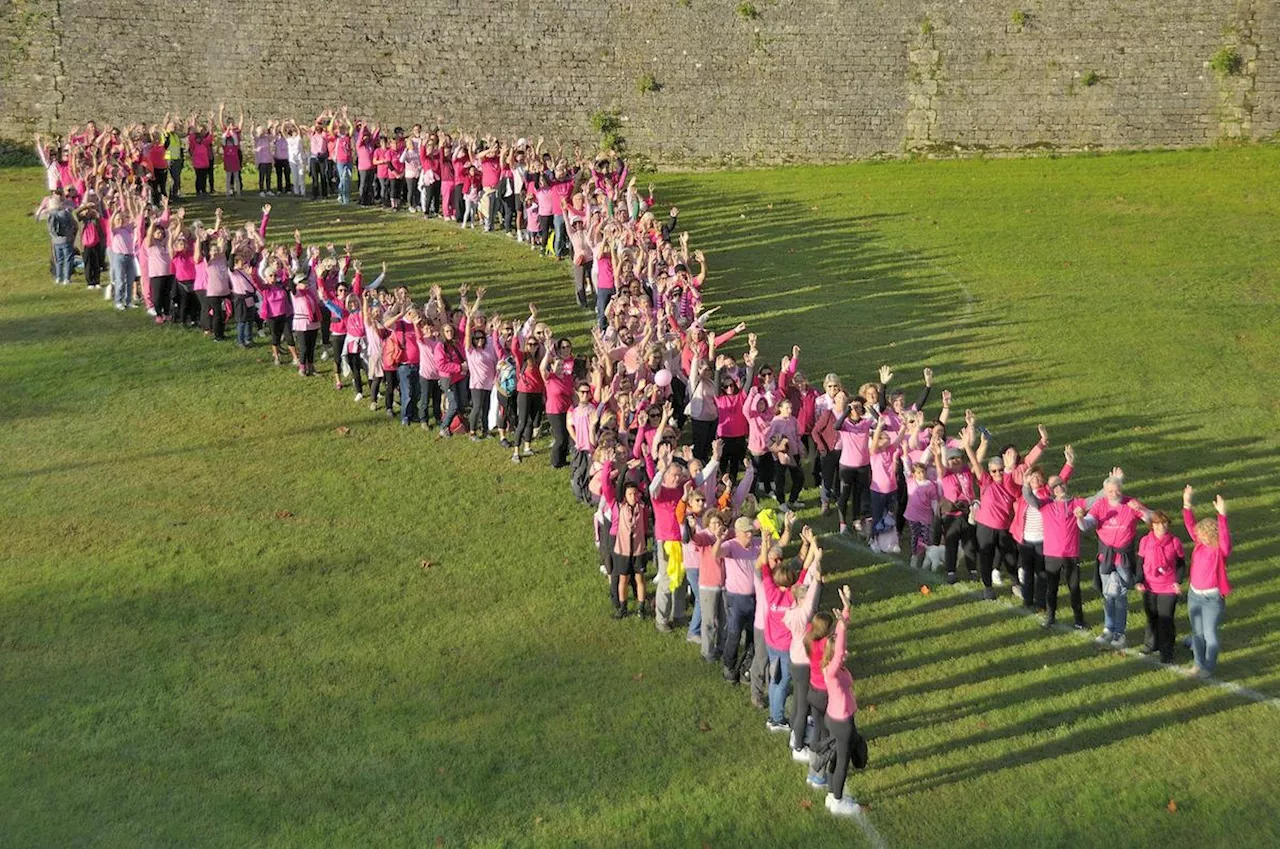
1018 610
869 831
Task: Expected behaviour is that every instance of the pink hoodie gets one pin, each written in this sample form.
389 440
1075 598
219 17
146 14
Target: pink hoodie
1209 565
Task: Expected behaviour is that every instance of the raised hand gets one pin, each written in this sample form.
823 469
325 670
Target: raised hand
717 449
1187 493
928 377
946 397
1220 504
1044 434
885 374
1117 472
1069 455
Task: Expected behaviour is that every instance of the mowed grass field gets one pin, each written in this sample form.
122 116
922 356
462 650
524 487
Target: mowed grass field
216 628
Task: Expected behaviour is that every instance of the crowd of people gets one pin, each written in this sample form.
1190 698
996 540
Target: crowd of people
691 449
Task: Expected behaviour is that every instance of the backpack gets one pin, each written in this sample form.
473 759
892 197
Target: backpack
506 376
392 351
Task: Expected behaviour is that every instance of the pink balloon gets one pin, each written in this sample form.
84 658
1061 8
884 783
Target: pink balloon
662 378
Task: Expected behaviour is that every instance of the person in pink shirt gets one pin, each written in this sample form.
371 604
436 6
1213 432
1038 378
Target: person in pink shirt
381 166
451 364
482 364
841 707
1116 517
366 142
306 323
318 143
853 428
885 448
263 150
1063 518
280 157
557 376
1209 587
342 147
739 555
1162 562
632 518
200 142
783 441
957 483
923 496
778 579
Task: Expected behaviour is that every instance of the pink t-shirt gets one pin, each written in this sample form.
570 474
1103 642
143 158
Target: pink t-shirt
262 150
854 448
482 362
884 478
712 572
490 172
559 389
995 510
281 149
1116 523
342 149
739 566
1061 534
319 143
920 500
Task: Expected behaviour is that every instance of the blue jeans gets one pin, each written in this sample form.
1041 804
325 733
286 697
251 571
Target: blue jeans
695 619
408 374
1206 612
122 278
740 609
64 257
1115 608
778 683
344 182
603 297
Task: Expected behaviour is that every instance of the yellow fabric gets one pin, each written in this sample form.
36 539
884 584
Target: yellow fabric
675 564
769 523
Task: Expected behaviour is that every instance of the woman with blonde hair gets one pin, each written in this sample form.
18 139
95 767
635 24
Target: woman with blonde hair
1209 587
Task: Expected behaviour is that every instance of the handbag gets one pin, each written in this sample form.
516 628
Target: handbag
858 757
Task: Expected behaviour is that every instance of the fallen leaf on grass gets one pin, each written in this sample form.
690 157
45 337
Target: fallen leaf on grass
924 589
439 840
1172 807
427 564
343 431
283 514
806 803
537 820
983 725
703 726
440 770
871 708
639 676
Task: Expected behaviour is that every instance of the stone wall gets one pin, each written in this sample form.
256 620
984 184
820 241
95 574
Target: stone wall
789 80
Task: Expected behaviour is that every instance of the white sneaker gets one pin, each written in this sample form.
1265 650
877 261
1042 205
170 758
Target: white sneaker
1104 639
797 505
324 355
846 807
359 396
373 406
776 727
996 580
915 561
801 755
121 307
1118 642
150 311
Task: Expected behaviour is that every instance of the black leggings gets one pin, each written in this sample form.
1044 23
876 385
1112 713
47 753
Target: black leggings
1055 568
527 406
308 353
1161 631
186 308
993 544
479 412
855 486
704 434
818 711
353 363
337 342
282 331
780 473
830 464
284 177
842 730
734 456
1031 566
763 481
799 705
957 533
218 317
559 439
264 177
162 294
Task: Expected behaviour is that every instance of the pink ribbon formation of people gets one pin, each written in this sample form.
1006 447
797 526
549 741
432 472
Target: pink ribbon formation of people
692 452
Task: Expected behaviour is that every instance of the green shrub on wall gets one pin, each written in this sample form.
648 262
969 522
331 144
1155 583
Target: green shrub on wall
1227 62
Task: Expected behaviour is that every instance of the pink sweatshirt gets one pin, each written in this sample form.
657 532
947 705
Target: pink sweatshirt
665 526
798 617
732 421
1209 565
785 428
841 703
1117 523
1061 533
778 600
1160 556
482 362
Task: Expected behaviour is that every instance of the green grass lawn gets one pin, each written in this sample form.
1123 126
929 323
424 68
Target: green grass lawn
215 627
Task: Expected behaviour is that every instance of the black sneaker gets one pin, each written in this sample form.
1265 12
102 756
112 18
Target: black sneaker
730 675
1147 650
951 577
620 612
989 594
